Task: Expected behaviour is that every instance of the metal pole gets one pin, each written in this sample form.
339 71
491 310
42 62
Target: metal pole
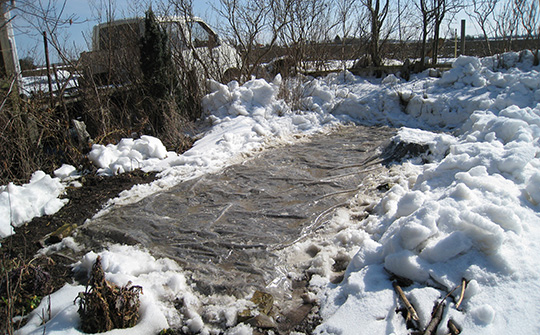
399 20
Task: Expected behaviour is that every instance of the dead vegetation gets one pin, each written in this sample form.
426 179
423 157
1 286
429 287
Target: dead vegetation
22 287
105 306
32 137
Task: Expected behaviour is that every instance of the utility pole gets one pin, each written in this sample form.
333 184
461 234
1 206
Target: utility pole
12 68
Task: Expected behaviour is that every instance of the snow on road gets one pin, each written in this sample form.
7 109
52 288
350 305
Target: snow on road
468 211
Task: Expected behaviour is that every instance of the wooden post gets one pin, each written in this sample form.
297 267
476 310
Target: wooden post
455 43
46 44
462 51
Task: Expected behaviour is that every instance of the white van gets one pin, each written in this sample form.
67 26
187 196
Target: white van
115 50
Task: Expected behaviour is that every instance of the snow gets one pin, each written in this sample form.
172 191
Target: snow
19 204
62 79
127 155
467 210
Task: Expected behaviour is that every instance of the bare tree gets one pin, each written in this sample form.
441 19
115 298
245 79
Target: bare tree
528 14
427 13
483 14
507 23
305 23
411 25
249 25
433 15
48 16
345 20
378 12
441 9
406 21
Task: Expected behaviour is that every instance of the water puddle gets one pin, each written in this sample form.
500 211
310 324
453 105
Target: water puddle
225 228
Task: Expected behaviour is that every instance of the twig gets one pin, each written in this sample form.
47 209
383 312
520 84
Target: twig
338 192
350 174
436 318
368 162
411 312
222 213
315 223
307 230
454 330
463 287
10 210
437 313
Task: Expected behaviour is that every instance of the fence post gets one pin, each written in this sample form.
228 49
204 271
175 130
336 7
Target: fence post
46 44
462 51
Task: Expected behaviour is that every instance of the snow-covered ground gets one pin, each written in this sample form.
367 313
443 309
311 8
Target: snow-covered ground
470 212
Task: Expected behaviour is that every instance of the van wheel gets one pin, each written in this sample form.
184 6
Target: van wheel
230 75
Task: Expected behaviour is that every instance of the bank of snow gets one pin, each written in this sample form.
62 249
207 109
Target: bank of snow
471 215
21 203
470 212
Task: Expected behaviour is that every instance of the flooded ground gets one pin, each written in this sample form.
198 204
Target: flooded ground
225 228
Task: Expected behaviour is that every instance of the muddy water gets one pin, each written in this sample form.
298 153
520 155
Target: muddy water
225 227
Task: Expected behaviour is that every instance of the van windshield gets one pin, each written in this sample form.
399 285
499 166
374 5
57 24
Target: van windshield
201 35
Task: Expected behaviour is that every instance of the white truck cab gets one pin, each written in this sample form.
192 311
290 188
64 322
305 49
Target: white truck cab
194 45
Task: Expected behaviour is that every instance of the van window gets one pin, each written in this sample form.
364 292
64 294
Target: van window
202 36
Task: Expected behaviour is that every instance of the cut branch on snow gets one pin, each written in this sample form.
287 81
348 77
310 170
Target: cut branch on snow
436 317
463 287
453 328
411 312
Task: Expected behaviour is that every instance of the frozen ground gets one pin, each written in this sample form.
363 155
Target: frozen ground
468 211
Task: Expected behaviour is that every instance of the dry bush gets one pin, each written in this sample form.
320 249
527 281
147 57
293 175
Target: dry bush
293 90
33 137
105 306
154 94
